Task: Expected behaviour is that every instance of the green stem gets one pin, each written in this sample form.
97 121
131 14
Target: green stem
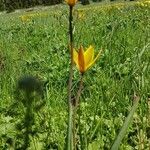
27 132
75 111
28 120
70 107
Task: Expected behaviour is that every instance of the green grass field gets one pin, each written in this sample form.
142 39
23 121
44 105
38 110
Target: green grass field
36 43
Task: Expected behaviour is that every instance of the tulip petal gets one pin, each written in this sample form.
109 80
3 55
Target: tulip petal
81 62
89 56
98 55
75 56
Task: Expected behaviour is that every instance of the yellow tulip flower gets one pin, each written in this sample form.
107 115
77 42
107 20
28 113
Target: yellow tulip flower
71 2
84 59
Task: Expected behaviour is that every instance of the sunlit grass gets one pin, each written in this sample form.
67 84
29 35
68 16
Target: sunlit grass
39 47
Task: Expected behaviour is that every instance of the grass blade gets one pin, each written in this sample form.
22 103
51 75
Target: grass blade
125 125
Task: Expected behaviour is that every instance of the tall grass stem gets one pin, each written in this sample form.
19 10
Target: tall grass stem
70 107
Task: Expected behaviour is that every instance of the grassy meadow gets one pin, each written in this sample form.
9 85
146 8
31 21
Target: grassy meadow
36 43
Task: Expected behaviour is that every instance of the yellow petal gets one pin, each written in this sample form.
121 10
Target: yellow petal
75 56
81 60
98 55
89 56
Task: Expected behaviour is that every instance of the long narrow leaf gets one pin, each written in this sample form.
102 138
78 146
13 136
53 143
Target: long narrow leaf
125 126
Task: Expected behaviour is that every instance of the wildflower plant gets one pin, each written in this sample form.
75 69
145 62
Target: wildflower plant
83 60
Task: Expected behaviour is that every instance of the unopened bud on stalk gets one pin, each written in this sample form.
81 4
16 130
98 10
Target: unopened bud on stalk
71 2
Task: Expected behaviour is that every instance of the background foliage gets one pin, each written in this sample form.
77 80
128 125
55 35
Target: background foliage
11 5
35 43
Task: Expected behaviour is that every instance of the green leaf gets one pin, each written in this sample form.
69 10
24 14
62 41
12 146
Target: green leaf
125 125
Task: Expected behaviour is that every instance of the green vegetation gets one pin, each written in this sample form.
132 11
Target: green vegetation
11 5
36 43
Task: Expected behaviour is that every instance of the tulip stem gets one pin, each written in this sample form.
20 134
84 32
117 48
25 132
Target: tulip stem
71 26
75 111
79 91
69 143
